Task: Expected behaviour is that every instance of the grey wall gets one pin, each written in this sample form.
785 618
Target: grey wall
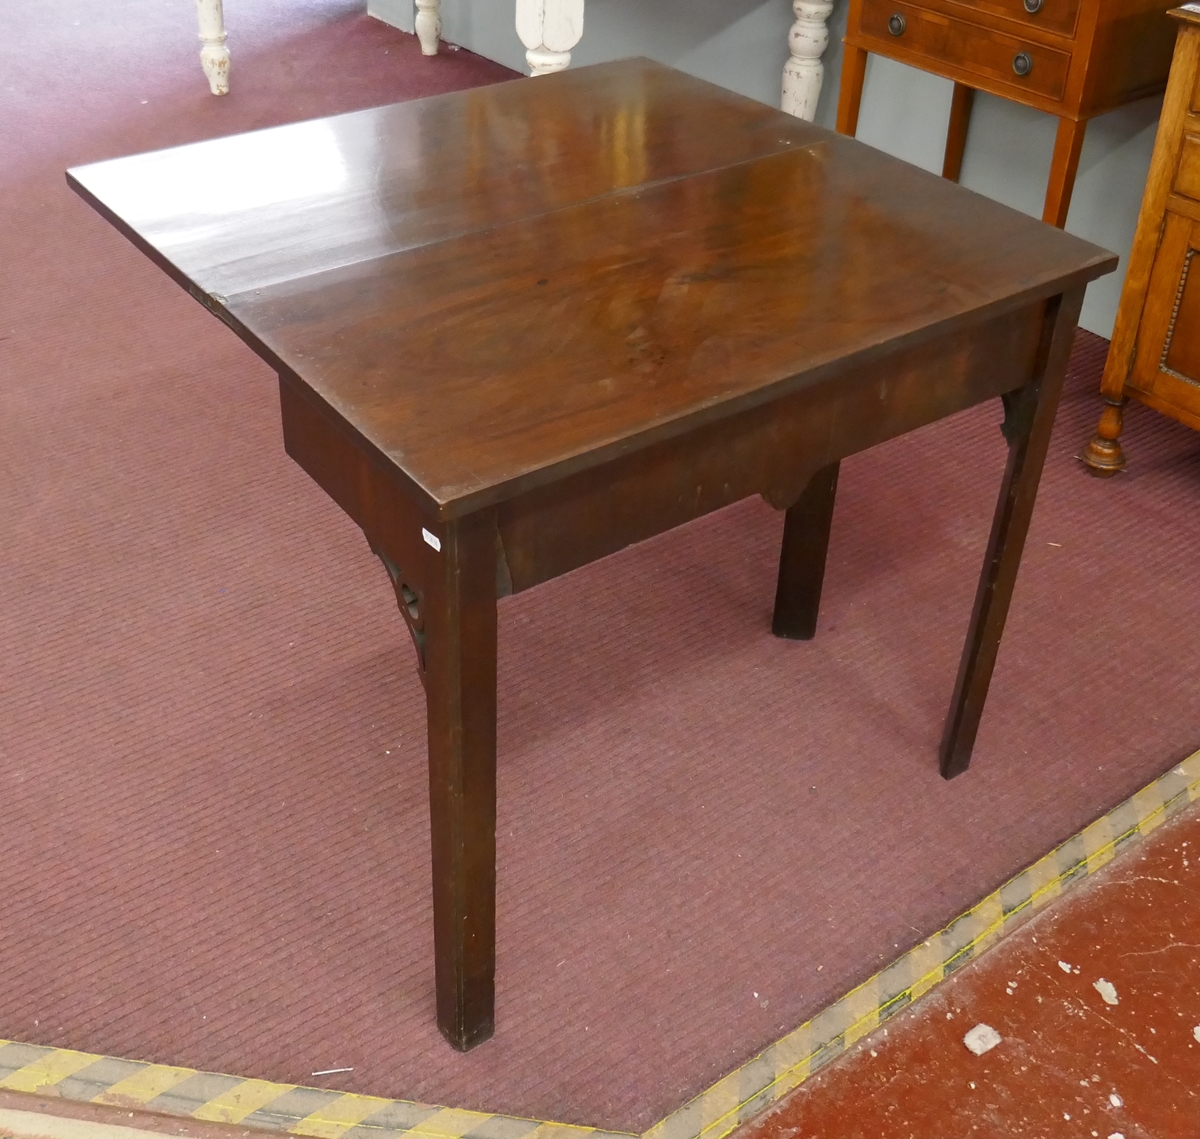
398 13
742 45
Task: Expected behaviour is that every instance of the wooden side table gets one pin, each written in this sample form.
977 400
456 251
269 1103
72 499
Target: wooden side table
506 359
1155 350
1072 58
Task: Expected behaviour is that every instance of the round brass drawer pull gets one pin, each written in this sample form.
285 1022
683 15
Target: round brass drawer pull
1033 7
1022 64
896 24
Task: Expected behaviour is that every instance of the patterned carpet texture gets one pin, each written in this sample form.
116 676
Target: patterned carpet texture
213 819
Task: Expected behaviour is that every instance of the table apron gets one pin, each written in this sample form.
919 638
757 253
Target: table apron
771 450
362 482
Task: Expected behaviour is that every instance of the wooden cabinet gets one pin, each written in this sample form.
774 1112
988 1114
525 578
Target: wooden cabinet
1155 350
1072 58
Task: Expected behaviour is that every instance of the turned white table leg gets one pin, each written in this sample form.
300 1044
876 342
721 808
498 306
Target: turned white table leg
428 24
549 29
804 71
214 55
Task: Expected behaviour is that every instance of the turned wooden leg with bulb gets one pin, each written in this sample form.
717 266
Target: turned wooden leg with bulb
549 29
214 55
428 25
804 73
1103 456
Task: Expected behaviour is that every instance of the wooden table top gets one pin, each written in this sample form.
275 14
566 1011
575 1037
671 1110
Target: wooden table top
501 286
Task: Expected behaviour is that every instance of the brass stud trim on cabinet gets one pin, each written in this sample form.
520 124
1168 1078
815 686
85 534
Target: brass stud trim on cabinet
1166 349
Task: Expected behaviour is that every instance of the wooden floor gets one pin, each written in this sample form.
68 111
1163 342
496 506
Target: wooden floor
1097 1012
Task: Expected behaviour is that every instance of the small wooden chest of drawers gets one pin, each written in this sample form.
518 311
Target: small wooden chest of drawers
1072 58
1155 350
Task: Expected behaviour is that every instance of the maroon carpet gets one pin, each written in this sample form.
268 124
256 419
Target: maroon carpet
213 833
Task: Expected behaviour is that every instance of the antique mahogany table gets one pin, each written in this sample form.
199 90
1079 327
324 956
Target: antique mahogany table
520 327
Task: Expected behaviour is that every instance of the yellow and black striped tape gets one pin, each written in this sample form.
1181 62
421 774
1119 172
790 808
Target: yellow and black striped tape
89 1078
713 1114
787 1063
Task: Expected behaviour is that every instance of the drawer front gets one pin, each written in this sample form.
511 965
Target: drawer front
1187 177
1056 16
927 38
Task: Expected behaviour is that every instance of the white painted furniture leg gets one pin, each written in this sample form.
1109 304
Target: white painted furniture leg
804 72
429 25
214 55
549 29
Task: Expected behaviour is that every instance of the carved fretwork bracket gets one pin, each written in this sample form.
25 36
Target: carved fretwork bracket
409 601
1019 408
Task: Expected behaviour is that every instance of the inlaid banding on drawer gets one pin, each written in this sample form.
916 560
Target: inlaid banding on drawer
965 47
1057 16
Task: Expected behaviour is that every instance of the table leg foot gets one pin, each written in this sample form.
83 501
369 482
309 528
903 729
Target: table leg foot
1103 456
1029 418
802 558
544 62
460 687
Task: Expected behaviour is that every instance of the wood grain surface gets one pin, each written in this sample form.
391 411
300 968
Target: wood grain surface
496 289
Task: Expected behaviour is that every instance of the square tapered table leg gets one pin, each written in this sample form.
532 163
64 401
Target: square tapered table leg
802 557
459 628
1029 419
